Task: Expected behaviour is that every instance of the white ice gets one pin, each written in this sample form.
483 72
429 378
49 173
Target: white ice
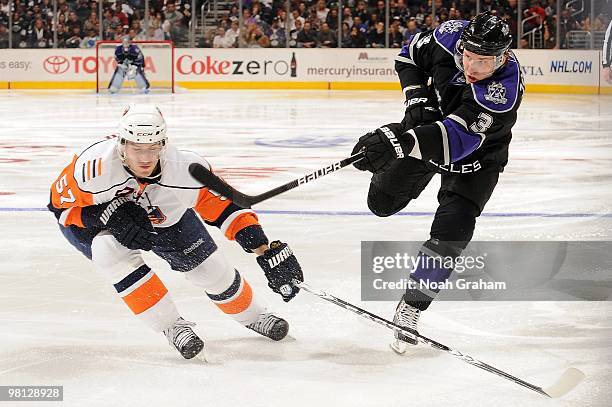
61 323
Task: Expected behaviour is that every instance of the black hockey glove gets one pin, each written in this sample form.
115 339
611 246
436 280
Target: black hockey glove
127 221
421 108
383 146
281 267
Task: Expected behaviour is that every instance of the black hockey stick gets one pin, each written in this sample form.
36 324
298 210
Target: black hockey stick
212 181
564 384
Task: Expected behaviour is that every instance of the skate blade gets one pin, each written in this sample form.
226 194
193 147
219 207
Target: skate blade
399 347
202 356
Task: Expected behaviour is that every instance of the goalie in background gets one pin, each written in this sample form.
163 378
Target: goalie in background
130 66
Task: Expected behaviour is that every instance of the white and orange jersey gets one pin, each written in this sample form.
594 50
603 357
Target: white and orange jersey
98 175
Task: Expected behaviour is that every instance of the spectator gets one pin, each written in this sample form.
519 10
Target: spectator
92 22
428 24
395 36
293 34
257 39
332 19
372 21
232 35
4 37
139 34
89 41
420 15
303 12
295 17
39 36
62 36
121 14
347 16
361 11
307 38
82 10
346 36
361 26
358 40
380 8
410 31
75 38
376 36
454 14
204 42
401 11
175 19
219 40
73 21
278 39
326 37
321 10
537 10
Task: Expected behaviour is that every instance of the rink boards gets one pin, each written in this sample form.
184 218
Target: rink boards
551 71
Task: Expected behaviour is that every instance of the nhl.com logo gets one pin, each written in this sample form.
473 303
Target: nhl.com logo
56 64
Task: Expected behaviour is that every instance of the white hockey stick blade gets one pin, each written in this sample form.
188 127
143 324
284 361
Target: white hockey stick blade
568 380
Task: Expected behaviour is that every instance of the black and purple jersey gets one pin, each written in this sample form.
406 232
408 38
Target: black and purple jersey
477 117
133 55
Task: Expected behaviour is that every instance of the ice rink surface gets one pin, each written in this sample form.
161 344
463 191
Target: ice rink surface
61 323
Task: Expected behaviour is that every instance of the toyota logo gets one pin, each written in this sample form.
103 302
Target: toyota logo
56 65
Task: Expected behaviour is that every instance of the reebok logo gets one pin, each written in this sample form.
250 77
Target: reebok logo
111 208
194 246
280 257
394 142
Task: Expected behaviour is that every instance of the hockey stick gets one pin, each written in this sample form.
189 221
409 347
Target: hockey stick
564 384
212 181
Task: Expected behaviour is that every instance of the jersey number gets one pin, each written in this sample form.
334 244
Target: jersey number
484 122
59 187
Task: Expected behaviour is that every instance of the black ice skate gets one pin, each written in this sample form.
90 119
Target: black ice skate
182 337
271 326
405 316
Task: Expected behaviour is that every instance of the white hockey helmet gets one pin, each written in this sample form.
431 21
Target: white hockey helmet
142 124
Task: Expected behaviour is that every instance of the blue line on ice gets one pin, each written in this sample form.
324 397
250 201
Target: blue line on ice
365 213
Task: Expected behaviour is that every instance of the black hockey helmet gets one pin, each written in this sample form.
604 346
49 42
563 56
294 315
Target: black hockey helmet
486 34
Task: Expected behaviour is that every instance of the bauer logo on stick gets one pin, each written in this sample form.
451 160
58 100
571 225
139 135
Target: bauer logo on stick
319 173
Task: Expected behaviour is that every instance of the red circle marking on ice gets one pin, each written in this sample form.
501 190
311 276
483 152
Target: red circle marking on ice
7 193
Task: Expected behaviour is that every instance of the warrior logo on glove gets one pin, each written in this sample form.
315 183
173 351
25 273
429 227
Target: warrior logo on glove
281 268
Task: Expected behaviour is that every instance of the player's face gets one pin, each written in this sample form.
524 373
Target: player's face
477 67
142 159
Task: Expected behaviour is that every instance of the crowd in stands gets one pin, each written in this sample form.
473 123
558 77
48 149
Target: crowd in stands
79 22
265 23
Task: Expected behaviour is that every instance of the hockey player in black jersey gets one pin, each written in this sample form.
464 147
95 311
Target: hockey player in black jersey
130 65
463 87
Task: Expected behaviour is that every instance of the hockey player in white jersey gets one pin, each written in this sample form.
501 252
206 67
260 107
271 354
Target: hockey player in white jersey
130 65
133 192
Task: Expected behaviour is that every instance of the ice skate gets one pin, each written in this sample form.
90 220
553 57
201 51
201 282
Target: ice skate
408 317
182 337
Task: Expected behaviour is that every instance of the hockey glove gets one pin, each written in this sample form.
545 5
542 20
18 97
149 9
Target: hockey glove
421 108
127 221
281 267
382 147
